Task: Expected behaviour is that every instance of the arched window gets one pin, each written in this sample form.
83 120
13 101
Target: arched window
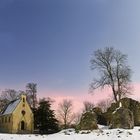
5 119
9 119
22 125
23 100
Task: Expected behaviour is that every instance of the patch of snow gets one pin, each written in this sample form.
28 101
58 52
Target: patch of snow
70 134
120 105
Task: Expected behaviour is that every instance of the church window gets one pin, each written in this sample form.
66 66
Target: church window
23 100
23 112
9 119
5 119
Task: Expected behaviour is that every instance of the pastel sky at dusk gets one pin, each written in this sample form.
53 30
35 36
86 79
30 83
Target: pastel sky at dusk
50 42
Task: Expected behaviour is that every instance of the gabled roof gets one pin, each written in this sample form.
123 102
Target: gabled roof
11 107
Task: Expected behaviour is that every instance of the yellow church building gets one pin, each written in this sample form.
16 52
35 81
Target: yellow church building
17 117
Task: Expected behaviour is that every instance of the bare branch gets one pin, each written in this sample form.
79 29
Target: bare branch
65 112
113 71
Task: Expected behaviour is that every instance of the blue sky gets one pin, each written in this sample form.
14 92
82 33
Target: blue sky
50 42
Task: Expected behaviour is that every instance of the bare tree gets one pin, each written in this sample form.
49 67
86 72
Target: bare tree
77 118
88 106
3 103
65 114
31 90
113 72
9 94
105 104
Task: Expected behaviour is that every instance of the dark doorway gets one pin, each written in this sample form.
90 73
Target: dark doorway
22 125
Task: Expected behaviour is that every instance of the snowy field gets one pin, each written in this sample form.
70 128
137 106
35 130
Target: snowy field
102 134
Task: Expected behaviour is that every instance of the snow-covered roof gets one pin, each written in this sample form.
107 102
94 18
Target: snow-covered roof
11 107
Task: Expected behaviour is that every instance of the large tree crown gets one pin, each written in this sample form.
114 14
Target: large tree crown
112 69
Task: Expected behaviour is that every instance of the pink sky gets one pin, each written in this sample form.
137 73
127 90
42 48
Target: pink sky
78 97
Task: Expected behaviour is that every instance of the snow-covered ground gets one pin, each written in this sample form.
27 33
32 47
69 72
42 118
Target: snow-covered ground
102 134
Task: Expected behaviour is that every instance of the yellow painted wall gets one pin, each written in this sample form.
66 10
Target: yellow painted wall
14 126
18 117
6 126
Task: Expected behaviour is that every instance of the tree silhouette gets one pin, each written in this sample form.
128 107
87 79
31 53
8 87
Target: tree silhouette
113 71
